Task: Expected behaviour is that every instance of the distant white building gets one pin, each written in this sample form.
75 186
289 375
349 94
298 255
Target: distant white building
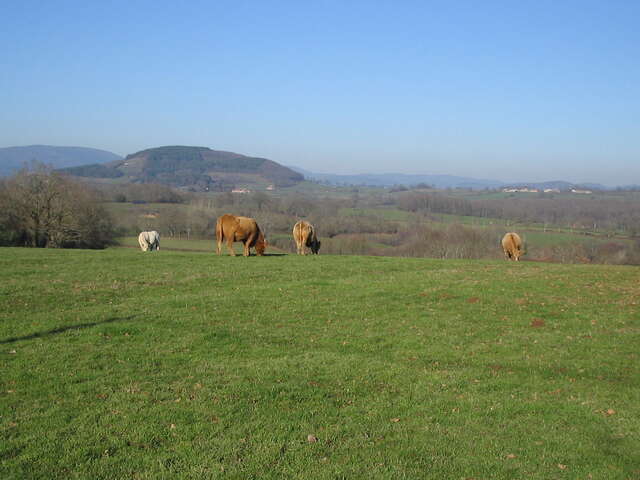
551 190
271 187
240 190
520 189
578 190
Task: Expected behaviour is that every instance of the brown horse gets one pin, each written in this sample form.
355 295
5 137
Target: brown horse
239 229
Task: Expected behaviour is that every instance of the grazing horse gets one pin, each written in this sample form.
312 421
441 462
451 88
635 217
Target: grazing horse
512 246
305 236
149 241
239 229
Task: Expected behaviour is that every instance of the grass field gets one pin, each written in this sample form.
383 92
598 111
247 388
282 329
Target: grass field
122 364
198 244
169 243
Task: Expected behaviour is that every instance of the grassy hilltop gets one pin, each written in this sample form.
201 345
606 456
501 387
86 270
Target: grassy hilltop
119 364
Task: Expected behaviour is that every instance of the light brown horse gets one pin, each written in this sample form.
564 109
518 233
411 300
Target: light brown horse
305 237
512 246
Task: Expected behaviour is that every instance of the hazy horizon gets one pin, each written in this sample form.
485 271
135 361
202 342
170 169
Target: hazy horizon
383 171
493 91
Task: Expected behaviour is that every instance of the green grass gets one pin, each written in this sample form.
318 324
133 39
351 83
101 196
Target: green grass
196 244
169 243
544 239
119 364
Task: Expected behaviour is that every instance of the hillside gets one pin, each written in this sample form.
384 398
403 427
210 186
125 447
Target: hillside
193 365
436 181
14 158
194 168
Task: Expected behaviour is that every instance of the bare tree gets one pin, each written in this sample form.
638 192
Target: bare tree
45 209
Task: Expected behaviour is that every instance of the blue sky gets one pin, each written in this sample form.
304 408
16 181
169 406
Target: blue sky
511 90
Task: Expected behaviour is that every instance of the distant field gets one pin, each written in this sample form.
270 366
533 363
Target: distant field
117 364
121 208
481 195
383 213
469 220
575 234
313 188
551 237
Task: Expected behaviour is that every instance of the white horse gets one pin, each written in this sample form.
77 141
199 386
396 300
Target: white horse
149 241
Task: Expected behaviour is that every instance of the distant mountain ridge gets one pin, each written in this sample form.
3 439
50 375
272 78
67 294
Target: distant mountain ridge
13 159
194 168
436 181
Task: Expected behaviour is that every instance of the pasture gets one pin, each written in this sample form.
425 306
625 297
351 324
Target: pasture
123 364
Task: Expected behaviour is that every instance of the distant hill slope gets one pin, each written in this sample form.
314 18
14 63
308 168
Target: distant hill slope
14 158
195 168
437 181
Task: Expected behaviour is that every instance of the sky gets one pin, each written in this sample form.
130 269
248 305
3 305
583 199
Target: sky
505 90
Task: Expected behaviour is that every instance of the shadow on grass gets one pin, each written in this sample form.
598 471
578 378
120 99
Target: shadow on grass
254 255
201 250
55 331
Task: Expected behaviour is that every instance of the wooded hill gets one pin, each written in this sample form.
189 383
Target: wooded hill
193 168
